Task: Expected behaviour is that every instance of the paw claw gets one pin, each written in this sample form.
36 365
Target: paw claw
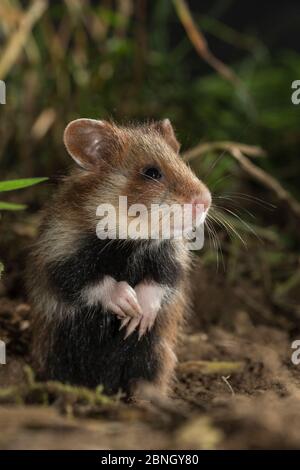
132 326
124 322
123 301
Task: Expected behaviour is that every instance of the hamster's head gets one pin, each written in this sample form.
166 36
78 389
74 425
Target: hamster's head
141 163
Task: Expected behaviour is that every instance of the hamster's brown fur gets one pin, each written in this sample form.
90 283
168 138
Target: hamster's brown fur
66 260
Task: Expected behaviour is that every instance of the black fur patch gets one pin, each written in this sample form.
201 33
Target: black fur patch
130 261
88 348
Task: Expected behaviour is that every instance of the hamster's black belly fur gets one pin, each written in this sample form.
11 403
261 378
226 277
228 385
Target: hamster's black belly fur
87 347
130 261
90 350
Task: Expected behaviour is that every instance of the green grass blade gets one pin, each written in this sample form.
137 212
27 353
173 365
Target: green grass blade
10 206
11 185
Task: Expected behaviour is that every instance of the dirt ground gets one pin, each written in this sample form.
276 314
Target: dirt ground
236 386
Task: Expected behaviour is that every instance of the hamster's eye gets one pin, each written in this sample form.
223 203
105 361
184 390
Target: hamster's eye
152 173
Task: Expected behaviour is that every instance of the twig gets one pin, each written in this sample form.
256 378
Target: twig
267 180
228 384
251 150
16 43
10 15
236 150
43 123
199 42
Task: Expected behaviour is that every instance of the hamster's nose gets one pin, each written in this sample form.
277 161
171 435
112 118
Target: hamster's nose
202 202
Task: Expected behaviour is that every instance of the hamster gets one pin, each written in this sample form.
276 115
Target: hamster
109 312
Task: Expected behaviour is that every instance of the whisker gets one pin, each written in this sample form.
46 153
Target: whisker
213 242
216 243
218 217
233 204
251 229
150 178
249 197
225 151
219 180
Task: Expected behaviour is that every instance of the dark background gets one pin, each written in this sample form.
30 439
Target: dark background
92 59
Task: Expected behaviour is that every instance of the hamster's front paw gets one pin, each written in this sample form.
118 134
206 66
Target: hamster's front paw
149 296
123 301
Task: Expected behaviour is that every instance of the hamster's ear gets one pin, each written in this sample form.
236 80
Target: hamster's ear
165 128
88 141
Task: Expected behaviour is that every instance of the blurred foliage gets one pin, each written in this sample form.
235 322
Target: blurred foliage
130 61
12 185
92 59
1 269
